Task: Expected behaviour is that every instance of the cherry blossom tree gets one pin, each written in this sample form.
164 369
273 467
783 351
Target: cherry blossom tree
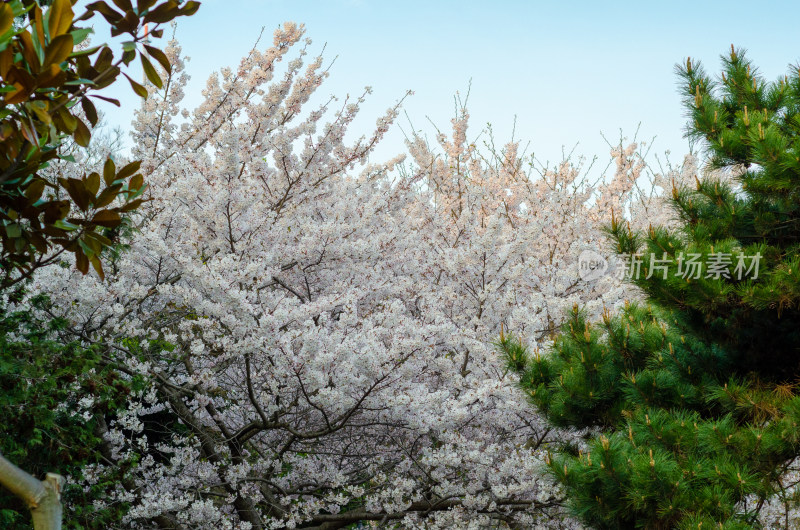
317 329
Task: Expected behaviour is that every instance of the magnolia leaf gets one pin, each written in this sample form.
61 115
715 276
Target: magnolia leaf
77 192
70 121
67 225
59 49
107 218
159 56
129 170
35 190
6 18
81 261
98 266
56 211
100 238
93 183
109 170
125 5
129 207
111 16
38 30
128 24
59 17
82 134
6 130
13 230
29 52
38 242
136 182
144 5
190 8
29 134
104 59
128 56
19 95
163 12
107 99
89 110
150 72
107 196
52 75
85 52
137 88
90 246
41 109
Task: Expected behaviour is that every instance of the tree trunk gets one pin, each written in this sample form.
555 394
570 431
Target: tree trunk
43 497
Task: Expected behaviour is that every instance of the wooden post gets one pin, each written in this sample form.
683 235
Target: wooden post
43 497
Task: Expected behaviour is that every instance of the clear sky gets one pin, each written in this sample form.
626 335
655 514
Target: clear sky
566 70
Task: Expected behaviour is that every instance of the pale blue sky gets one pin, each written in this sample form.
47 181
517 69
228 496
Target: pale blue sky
566 70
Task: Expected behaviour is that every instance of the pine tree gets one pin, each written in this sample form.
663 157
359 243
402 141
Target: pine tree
690 399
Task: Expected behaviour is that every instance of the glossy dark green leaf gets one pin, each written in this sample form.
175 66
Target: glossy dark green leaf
163 12
100 238
159 56
129 170
58 50
150 72
109 172
34 190
144 5
190 8
81 261
82 133
98 266
129 207
136 182
107 196
111 16
125 5
107 99
89 110
77 192
93 183
107 218
137 88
